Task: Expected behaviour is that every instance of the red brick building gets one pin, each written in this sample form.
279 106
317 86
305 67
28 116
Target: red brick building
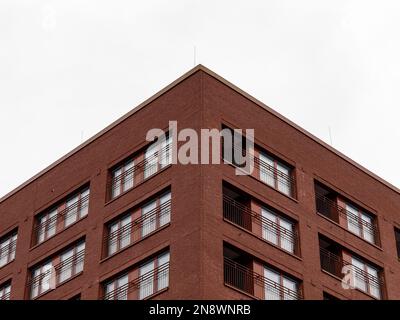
109 221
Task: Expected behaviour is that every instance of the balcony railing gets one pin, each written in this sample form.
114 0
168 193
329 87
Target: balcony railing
63 215
244 279
333 264
243 216
140 171
331 210
142 287
139 228
278 177
70 263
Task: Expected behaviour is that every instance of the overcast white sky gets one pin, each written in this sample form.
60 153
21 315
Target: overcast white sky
68 67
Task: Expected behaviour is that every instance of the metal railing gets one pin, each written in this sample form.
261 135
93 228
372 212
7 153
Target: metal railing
331 210
140 171
278 177
134 230
333 264
64 214
243 216
69 263
244 279
156 276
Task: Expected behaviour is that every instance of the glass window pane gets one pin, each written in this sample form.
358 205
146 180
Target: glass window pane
66 265
149 221
267 169
272 286
146 286
128 175
284 182
84 203
359 277
71 211
269 225
165 212
151 160
163 271
290 289
286 235
352 219
125 239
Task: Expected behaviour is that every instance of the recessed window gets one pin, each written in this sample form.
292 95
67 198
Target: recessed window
141 282
68 211
58 269
337 208
138 223
8 246
338 261
139 167
267 223
275 174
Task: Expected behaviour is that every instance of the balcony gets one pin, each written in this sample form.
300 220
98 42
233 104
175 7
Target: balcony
237 211
364 226
137 230
364 276
251 276
254 284
142 287
275 174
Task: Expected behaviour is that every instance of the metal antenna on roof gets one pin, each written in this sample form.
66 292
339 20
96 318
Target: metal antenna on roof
330 135
194 55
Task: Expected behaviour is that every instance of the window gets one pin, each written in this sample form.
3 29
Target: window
43 279
153 161
140 282
151 271
76 207
278 230
139 223
5 291
397 237
8 245
275 174
123 178
360 223
58 269
119 235
117 289
67 212
71 262
366 277
279 287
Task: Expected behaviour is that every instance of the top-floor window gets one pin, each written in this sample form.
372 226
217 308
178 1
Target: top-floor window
275 173
8 245
337 208
139 167
61 216
267 168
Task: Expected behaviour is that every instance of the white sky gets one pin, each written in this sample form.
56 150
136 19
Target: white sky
68 67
